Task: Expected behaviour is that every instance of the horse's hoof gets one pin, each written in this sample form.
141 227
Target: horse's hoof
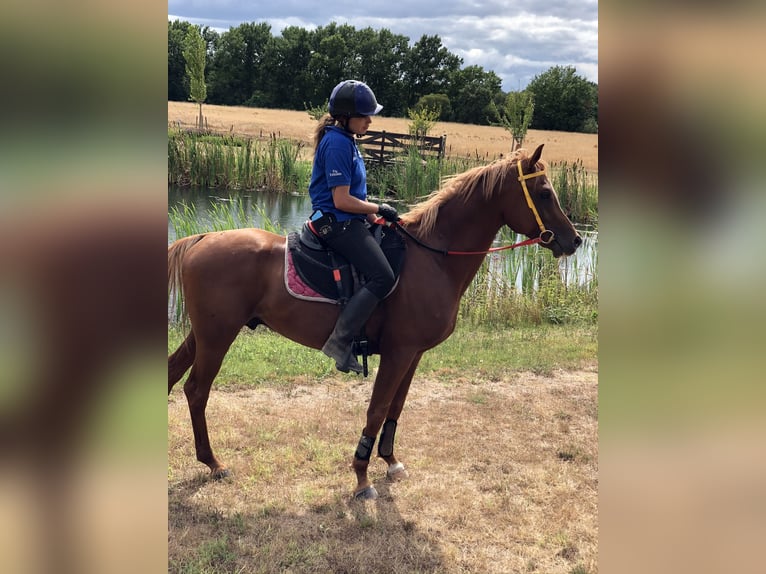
396 472
220 473
368 493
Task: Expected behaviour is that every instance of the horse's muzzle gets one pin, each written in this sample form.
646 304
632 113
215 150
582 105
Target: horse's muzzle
560 248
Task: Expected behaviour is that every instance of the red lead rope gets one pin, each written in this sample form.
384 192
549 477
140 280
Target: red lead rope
382 221
493 249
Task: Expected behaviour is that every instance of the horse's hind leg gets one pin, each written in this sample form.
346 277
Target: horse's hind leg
180 361
206 365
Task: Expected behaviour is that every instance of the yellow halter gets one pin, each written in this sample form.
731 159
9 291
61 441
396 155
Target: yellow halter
523 179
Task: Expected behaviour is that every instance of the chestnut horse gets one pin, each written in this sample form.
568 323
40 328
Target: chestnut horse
234 278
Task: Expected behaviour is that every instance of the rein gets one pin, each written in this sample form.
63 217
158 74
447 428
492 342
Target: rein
543 231
401 228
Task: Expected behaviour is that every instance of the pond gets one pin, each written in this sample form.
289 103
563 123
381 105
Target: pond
289 212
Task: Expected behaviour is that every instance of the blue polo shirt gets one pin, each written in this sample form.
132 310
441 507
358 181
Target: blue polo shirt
337 162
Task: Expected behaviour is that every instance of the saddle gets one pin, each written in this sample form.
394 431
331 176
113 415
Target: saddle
315 272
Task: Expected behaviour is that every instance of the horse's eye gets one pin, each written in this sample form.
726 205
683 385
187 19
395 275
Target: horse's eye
545 194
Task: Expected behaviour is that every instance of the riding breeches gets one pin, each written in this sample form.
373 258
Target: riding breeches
354 241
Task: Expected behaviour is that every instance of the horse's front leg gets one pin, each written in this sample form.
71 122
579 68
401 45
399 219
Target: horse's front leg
388 395
396 470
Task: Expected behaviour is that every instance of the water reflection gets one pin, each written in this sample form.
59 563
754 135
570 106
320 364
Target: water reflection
289 211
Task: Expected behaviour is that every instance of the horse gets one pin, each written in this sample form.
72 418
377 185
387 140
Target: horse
234 278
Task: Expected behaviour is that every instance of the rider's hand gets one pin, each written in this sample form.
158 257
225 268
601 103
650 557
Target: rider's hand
388 213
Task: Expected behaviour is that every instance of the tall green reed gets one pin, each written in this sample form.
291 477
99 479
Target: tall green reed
221 216
518 287
411 177
204 160
529 286
524 286
577 189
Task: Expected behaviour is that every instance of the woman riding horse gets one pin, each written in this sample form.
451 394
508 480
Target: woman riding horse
338 191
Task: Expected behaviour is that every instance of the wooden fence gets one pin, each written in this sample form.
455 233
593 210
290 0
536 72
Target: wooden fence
387 147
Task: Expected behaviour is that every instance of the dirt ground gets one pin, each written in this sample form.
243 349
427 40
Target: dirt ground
503 478
463 140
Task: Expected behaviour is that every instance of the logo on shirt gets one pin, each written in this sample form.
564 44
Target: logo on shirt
335 173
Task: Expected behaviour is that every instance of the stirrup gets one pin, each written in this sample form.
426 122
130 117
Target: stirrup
360 347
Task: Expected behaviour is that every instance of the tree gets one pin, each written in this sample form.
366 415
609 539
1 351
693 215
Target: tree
248 66
236 67
471 92
438 102
422 120
563 100
516 115
178 83
194 54
286 80
381 55
428 68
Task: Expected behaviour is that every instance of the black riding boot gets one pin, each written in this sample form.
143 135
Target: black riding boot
339 346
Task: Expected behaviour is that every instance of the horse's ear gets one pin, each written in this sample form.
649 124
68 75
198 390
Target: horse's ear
536 155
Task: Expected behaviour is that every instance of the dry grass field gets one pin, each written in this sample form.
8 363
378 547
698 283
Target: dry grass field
463 140
503 479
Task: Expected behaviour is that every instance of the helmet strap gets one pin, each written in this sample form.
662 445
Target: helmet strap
343 122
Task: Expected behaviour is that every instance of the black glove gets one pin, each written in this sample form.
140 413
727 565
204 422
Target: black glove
388 213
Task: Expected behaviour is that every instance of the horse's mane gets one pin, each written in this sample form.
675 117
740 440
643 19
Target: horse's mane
460 186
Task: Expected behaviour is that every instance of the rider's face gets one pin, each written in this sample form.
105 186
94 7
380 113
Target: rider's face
359 125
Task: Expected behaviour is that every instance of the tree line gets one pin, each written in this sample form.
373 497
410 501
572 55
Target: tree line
249 66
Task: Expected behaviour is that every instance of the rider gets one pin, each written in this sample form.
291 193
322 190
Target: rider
338 191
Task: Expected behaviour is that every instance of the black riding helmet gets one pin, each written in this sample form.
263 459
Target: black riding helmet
352 98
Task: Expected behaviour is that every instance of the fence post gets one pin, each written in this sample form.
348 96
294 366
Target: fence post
382 147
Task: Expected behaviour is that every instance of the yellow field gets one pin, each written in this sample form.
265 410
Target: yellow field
462 139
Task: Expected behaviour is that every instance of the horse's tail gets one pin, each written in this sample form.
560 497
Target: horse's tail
180 361
176 253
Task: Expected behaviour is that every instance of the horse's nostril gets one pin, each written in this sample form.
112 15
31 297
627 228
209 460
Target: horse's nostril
577 241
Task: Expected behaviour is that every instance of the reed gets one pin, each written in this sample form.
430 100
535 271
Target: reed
528 286
412 177
230 162
525 286
231 214
518 287
224 161
577 189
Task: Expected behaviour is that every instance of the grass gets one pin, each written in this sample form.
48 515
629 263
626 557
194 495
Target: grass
499 434
262 357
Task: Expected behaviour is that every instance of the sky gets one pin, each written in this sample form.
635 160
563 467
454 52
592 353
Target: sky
516 39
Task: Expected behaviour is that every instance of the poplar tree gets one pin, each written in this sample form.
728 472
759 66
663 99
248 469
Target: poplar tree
194 54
